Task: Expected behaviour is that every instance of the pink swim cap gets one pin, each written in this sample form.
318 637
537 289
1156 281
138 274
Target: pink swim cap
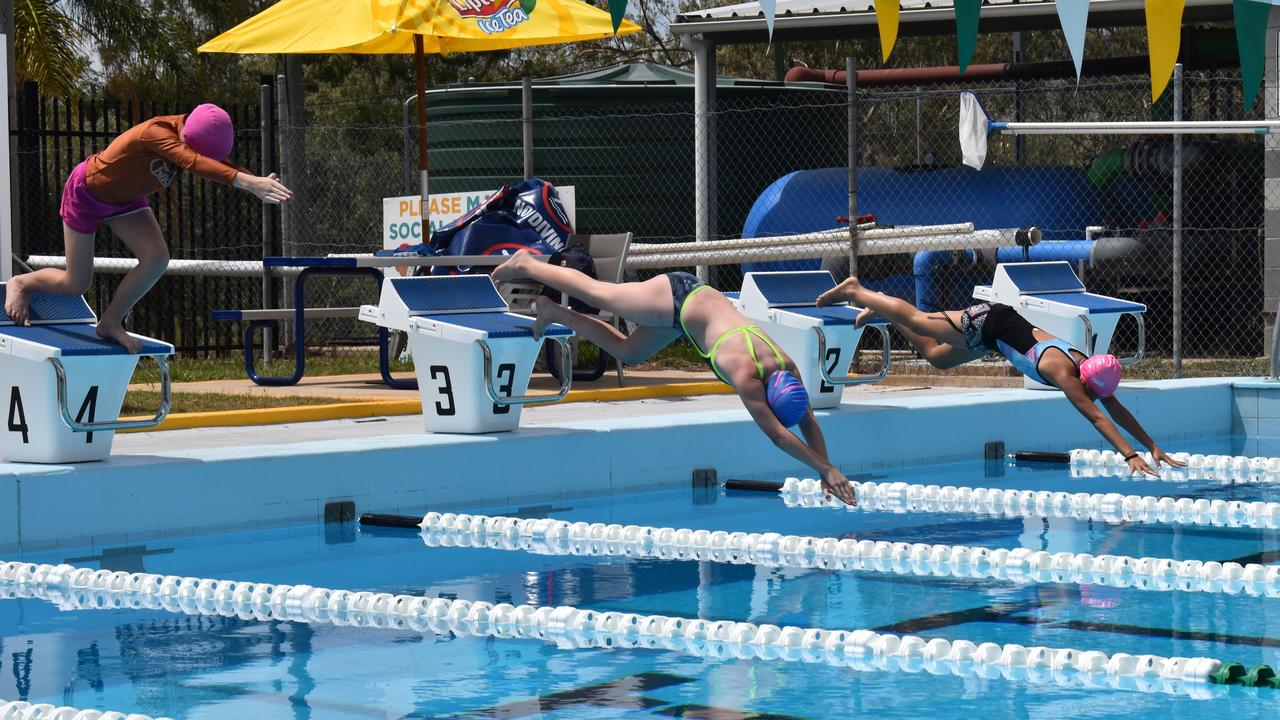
208 131
1102 374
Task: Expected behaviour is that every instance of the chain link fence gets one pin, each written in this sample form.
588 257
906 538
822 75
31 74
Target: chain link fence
1105 203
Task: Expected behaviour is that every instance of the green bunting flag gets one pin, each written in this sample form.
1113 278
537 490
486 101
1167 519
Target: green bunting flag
617 10
967 30
1251 41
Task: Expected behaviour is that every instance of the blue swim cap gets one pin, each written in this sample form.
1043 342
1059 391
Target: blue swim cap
787 397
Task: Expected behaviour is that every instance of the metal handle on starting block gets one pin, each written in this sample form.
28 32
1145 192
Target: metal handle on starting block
1142 341
566 377
166 397
854 379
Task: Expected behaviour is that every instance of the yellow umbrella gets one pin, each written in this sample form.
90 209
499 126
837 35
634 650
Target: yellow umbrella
389 27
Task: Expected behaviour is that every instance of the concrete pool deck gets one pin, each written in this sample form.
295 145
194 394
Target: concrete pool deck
214 479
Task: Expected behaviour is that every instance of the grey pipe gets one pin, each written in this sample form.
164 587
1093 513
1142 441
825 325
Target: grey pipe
526 117
1177 225
851 87
268 247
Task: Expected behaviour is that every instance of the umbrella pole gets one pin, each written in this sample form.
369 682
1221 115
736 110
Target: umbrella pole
420 59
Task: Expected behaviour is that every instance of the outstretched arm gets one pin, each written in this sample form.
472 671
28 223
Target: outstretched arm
1121 414
1075 392
812 451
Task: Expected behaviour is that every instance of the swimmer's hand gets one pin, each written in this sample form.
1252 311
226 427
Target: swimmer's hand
1138 465
267 189
1160 456
835 483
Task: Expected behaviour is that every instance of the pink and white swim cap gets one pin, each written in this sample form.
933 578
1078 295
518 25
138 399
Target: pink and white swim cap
208 131
1101 373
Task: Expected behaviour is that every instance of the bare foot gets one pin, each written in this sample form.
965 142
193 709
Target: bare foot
116 333
864 317
514 269
543 308
846 291
16 304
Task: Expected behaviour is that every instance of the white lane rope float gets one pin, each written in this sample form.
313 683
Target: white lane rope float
1019 565
20 710
901 497
83 588
1224 468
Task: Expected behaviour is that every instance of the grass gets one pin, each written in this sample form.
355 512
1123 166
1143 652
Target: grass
145 402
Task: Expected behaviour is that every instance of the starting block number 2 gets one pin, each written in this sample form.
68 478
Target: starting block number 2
447 405
17 415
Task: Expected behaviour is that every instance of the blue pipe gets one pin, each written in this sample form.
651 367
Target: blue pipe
1069 250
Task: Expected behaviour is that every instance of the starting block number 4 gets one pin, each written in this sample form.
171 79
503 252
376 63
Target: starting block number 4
18 415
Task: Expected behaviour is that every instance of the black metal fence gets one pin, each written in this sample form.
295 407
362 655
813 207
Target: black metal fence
201 220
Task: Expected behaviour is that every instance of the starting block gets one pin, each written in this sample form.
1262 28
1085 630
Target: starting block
1051 297
821 340
62 386
472 356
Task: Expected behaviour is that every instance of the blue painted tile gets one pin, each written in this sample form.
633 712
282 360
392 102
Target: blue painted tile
1244 403
1269 403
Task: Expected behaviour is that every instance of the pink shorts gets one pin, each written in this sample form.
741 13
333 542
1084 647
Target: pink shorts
83 212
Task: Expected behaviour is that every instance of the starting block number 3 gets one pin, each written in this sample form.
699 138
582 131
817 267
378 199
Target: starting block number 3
506 379
17 416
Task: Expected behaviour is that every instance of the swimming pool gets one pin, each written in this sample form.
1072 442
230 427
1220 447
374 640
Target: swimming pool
161 663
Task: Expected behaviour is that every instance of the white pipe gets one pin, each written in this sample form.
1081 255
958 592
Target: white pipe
900 497
76 588
1020 565
120 266
864 230
977 240
1185 127
19 710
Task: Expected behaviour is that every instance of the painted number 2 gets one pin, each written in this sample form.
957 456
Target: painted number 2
833 361
505 386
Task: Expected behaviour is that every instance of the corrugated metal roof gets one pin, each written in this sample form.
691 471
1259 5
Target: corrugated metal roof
814 16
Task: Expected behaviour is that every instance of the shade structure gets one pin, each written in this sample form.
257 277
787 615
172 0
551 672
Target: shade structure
392 27
387 27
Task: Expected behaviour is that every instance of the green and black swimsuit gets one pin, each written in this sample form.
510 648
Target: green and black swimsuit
685 286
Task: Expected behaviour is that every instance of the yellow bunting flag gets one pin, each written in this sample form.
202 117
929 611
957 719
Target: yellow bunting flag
1164 34
887 21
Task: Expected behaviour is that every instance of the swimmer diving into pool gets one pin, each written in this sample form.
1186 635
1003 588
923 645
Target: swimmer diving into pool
954 337
664 308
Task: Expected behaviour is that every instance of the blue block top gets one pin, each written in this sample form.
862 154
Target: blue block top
793 288
833 315
79 339
46 307
425 295
1096 304
500 324
1043 277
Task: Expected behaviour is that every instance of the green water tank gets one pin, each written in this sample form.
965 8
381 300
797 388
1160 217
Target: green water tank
623 137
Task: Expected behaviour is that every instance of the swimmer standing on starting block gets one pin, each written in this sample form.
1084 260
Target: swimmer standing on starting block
954 337
112 187
664 308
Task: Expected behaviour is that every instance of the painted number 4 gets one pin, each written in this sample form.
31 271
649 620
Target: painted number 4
17 417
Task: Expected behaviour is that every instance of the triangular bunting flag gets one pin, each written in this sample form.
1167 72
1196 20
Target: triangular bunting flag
617 11
887 21
1164 35
1073 16
770 9
1251 42
967 30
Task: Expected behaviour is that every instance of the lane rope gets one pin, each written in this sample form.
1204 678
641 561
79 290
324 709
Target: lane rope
901 497
83 588
20 710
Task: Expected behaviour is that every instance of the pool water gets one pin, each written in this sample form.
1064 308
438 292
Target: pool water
205 667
